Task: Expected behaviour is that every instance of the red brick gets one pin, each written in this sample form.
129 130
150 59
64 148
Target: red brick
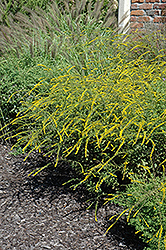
144 19
157 19
159 6
133 19
137 1
163 12
136 25
159 26
134 6
137 13
145 6
153 1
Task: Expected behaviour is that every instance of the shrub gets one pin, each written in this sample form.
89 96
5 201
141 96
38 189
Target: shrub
145 207
113 114
17 77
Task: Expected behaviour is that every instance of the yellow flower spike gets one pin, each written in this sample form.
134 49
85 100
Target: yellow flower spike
149 240
156 128
70 69
157 233
39 169
110 199
60 137
113 217
13 95
115 220
144 132
87 176
147 168
136 213
99 183
152 148
137 231
161 230
106 146
163 189
128 217
162 163
113 175
124 169
120 135
139 130
145 222
165 241
41 65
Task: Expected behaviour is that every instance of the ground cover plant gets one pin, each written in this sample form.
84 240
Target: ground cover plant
17 76
144 202
103 110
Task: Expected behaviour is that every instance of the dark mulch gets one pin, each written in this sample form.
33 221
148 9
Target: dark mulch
39 213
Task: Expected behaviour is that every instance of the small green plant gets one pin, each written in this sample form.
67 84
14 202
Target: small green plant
17 76
145 207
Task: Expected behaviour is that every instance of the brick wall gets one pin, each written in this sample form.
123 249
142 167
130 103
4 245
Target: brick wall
147 11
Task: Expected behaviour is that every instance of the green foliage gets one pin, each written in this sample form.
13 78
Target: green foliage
17 76
146 207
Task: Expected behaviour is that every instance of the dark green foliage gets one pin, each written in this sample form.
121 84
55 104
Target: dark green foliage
145 200
17 76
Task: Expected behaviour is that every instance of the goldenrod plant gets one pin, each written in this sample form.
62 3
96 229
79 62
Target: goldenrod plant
145 207
116 111
99 104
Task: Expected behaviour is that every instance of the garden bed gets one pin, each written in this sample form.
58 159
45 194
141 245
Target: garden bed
40 213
